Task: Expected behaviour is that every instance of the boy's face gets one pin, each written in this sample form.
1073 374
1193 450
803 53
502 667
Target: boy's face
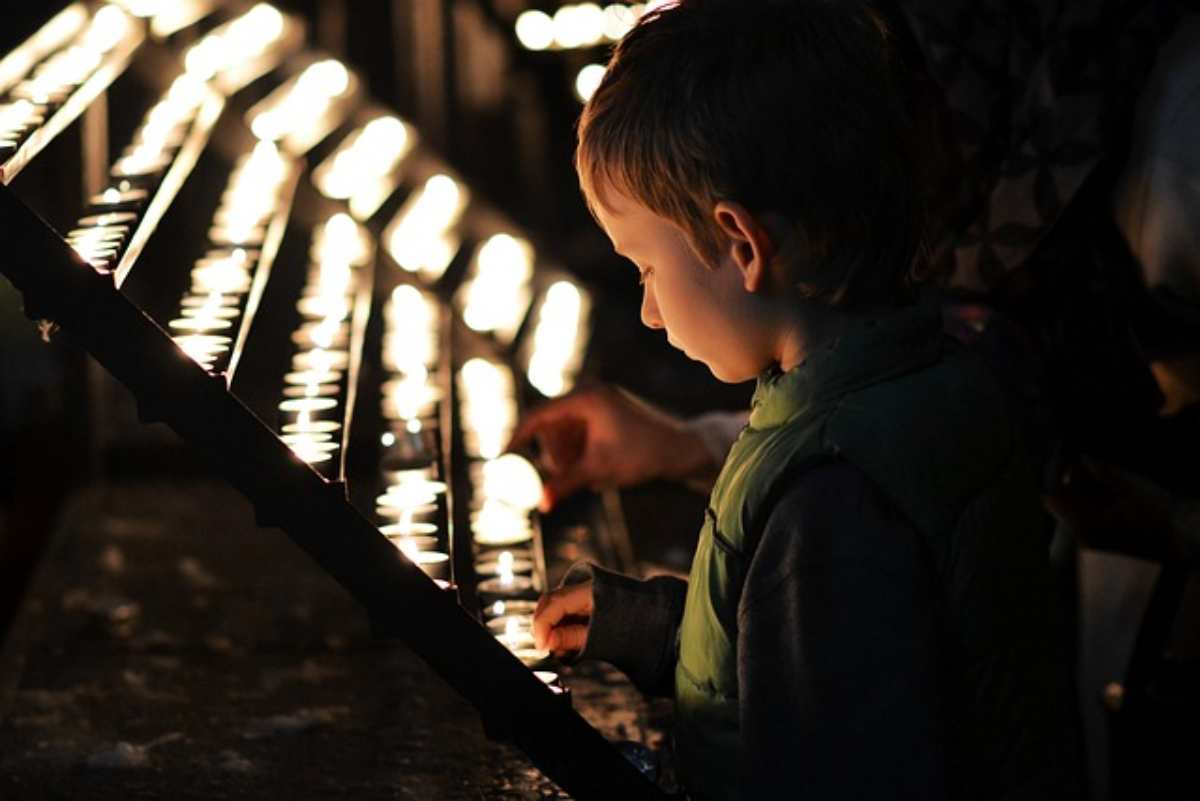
706 312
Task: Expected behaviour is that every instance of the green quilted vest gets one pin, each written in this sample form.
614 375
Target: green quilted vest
919 417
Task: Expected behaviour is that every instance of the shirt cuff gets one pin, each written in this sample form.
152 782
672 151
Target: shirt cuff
634 624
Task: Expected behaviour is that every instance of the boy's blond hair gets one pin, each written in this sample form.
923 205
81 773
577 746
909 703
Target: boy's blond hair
790 107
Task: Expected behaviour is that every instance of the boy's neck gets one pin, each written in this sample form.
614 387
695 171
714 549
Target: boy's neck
812 326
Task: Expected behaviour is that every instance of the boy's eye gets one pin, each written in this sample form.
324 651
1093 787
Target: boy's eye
644 274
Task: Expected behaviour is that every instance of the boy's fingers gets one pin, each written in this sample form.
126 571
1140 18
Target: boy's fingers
567 639
575 600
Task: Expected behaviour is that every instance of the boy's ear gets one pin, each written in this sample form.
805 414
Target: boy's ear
750 245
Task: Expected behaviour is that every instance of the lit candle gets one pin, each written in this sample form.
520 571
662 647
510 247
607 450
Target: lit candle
499 567
406 541
306 425
114 198
199 324
503 624
551 680
496 297
516 634
506 585
313 452
321 360
311 391
513 480
405 497
108 219
308 405
434 564
557 338
530 656
421 238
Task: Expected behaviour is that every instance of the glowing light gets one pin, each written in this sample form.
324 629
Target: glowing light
203 349
302 102
66 68
340 243
225 275
579 25
618 20
339 248
535 30
237 42
557 339
328 78
144 8
489 410
421 239
108 28
588 81
498 294
513 480
360 170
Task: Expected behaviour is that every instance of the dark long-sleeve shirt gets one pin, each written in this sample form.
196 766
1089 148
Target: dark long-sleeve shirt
841 653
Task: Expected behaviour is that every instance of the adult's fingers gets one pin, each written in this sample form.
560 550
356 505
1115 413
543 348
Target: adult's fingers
574 600
562 485
533 421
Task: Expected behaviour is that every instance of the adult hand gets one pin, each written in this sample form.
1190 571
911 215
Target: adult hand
561 619
1112 509
605 437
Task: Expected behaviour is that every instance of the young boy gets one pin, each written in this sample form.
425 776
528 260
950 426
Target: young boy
868 612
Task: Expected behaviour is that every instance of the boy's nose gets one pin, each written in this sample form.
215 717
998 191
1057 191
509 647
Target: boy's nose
650 316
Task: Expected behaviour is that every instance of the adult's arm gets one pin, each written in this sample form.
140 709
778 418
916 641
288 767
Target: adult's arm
838 675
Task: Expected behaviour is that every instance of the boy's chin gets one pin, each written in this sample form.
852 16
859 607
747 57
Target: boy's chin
726 376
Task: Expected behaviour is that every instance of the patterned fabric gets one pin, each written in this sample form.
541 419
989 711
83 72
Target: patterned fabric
1038 94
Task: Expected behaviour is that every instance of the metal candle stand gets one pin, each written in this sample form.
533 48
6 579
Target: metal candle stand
59 285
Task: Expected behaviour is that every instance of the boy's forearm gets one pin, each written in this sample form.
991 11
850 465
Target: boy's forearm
634 625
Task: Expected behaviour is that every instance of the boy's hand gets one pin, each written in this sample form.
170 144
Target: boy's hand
560 622
605 437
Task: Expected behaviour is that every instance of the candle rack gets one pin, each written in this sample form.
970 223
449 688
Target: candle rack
228 280
62 83
143 187
286 493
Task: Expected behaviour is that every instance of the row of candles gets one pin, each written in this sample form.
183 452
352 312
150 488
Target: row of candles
316 389
364 168
495 297
424 236
577 25
559 338
505 488
224 52
167 17
48 85
223 278
305 108
111 215
413 497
